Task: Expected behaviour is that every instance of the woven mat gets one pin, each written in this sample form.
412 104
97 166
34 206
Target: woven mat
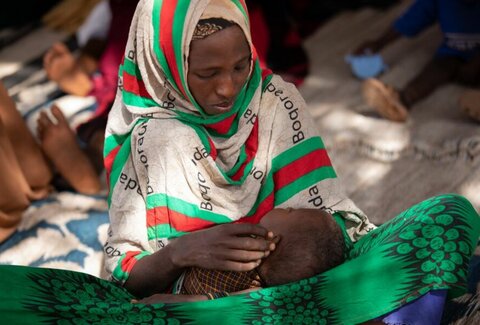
387 166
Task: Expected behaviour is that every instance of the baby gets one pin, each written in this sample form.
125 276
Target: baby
311 242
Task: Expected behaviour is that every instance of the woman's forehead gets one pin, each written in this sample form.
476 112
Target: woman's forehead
227 44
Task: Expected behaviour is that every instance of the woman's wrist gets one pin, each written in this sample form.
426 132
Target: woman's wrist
174 252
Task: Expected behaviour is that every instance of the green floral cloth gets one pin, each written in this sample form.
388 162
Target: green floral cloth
425 248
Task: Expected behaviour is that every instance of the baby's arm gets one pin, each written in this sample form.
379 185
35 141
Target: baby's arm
223 247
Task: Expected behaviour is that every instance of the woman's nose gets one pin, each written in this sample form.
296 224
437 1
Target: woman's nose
226 87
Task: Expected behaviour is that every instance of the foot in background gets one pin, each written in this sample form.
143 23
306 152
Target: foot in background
469 103
60 145
385 99
62 67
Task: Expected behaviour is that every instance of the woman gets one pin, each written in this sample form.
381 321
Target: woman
200 138
215 151
200 145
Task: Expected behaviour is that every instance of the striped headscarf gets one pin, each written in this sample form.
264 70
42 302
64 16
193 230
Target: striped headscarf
174 169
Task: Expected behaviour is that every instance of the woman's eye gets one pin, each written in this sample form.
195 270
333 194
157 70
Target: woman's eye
241 67
206 75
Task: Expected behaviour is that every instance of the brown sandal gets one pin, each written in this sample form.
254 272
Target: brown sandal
469 102
385 99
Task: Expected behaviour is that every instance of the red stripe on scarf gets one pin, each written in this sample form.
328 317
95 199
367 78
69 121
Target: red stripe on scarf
109 160
134 85
263 208
213 149
244 5
179 221
251 146
265 73
128 261
254 54
166 40
300 167
223 126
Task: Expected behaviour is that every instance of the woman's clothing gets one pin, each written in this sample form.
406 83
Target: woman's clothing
173 169
424 249
199 281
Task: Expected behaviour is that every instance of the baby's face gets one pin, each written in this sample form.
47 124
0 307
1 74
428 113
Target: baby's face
279 221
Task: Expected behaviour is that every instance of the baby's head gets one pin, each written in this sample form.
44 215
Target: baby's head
311 243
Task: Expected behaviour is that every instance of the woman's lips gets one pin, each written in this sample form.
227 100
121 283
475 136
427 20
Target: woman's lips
223 106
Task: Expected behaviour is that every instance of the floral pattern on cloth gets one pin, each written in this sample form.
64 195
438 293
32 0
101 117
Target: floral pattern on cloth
351 293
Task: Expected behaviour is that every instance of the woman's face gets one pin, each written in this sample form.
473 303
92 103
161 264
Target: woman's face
219 66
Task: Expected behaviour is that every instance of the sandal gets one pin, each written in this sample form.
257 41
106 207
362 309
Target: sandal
469 102
385 99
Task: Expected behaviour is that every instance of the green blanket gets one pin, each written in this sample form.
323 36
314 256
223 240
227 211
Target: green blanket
426 247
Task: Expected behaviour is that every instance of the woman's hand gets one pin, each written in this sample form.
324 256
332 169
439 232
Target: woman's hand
231 247
228 247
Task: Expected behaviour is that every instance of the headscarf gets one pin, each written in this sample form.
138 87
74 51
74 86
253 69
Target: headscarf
174 169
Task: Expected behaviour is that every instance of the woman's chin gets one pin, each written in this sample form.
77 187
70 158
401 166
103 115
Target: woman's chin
217 110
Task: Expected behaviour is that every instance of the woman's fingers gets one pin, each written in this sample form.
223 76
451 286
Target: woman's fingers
245 229
235 266
239 255
234 247
246 243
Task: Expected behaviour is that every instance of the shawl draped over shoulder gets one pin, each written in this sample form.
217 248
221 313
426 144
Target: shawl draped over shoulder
173 169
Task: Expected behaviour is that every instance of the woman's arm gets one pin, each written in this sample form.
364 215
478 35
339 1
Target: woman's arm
224 247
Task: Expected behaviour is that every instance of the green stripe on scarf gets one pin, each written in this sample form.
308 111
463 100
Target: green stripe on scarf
157 5
120 160
131 99
131 68
203 135
301 149
112 142
241 159
265 191
282 160
241 8
119 273
303 182
177 32
184 207
163 231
